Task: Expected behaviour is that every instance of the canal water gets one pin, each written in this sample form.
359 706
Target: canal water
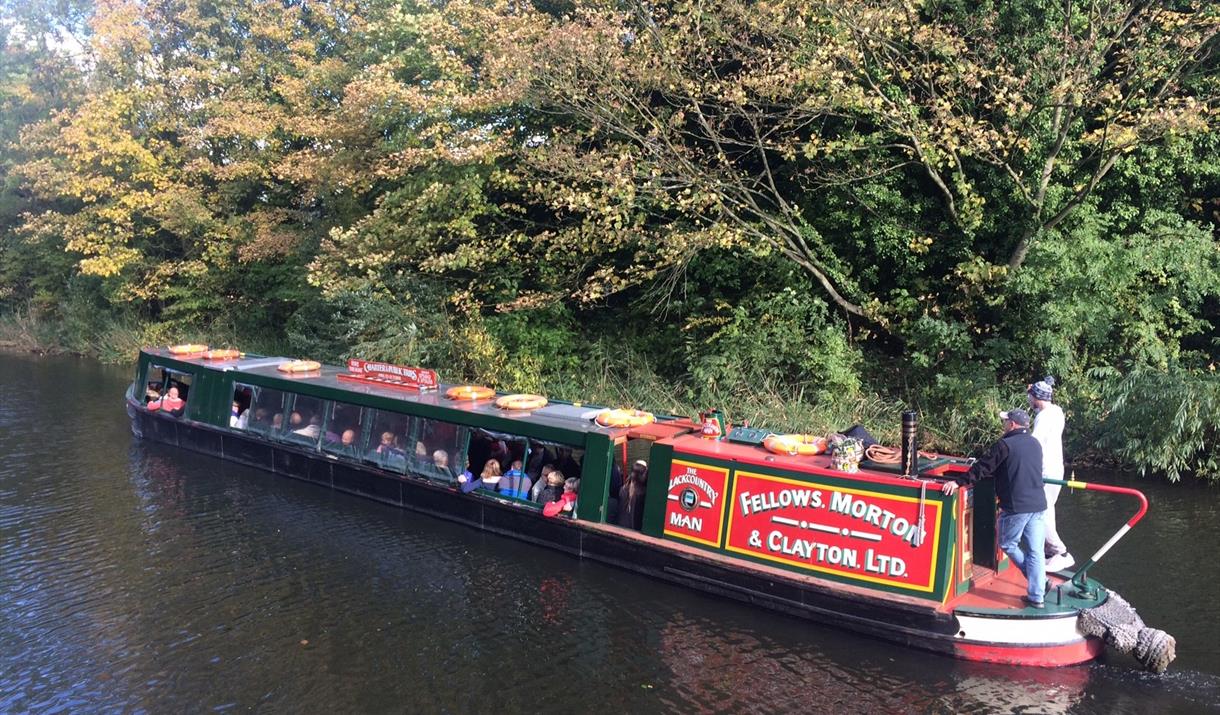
138 578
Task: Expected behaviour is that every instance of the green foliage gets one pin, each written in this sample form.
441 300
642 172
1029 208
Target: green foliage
1164 422
806 213
788 335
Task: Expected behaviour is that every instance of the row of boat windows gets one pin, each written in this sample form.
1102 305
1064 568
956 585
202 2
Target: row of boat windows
524 470
404 443
513 467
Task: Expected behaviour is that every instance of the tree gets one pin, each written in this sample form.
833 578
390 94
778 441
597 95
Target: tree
767 125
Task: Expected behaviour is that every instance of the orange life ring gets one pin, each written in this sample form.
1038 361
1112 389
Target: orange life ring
521 402
187 349
300 366
227 354
794 444
624 418
469 392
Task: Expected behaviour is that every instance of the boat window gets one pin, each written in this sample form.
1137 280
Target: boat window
548 457
507 451
438 449
388 440
344 429
304 424
167 390
268 413
239 414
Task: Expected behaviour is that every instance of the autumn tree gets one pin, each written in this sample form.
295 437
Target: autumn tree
871 143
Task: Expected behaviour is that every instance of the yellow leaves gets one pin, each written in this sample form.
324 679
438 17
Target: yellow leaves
920 244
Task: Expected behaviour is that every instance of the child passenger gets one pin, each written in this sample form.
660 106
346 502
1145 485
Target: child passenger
567 501
489 479
553 490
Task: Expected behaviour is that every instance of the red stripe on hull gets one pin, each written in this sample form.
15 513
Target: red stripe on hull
1045 656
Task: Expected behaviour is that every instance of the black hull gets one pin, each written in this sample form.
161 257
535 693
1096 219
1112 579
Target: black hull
912 624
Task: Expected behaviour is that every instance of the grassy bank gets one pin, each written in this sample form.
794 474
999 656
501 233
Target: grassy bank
1161 424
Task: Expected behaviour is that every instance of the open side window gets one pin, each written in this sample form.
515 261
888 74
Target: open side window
241 409
167 390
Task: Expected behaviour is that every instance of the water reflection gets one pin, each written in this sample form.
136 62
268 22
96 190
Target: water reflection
135 577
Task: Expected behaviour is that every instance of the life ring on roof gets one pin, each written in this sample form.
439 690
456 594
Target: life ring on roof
521 402
624 418
300 366
794 444
187 349
469 392
227 354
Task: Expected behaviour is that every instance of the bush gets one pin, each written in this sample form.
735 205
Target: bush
1162 421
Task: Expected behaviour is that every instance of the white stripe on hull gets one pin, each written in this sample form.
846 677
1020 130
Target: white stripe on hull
999 630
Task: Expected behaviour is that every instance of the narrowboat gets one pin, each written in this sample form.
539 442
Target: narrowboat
873 547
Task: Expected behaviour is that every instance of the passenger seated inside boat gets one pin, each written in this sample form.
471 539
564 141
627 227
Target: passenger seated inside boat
567 500
541 483
312 430
631 497
172 403
388 454
239 414
553 491
440 464
488 479
387 444
276 422
345 445
515 483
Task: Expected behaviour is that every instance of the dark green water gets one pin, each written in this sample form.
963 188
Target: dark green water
139 578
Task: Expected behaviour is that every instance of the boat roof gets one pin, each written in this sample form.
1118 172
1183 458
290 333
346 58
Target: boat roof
578 417
694 445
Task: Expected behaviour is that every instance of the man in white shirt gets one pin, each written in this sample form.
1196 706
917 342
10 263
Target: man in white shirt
1048 430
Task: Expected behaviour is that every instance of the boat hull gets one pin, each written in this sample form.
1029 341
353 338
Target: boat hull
991 638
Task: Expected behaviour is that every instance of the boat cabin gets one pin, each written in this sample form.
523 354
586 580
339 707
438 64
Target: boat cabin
375 430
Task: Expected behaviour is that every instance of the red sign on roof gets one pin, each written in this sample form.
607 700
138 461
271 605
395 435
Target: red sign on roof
384 373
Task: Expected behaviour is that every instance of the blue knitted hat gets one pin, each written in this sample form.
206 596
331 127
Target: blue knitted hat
1042 389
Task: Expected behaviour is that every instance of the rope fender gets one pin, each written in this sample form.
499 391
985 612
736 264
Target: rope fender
1118 624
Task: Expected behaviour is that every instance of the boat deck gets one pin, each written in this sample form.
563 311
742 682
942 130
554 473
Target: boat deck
935 470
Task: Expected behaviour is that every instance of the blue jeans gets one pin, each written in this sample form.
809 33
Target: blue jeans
1032 562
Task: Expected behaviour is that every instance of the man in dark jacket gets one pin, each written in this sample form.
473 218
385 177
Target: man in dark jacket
1015 462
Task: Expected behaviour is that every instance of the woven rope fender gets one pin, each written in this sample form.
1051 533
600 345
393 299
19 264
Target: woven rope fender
1117 623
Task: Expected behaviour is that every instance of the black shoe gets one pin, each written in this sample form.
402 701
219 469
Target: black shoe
1032 603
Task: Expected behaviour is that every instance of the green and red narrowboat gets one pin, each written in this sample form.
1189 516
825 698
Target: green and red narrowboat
879 550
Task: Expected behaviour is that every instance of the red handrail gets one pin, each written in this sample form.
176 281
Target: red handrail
1079 579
